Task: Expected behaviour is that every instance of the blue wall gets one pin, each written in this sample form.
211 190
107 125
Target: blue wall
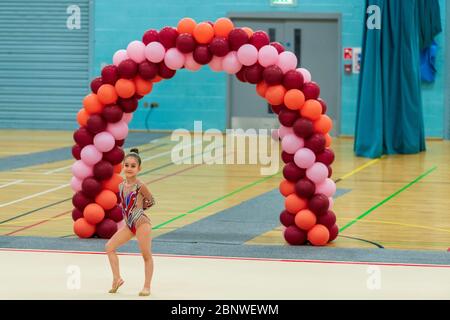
202 95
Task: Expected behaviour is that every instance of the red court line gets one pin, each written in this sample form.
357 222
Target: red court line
233 258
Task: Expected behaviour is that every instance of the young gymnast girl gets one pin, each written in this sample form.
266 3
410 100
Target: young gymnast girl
134 199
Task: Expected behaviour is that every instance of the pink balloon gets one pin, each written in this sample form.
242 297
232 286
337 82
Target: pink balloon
247 54
119 130
81 170
304 158
104 141
267 56
90 155
291 143
136 51
230 63
174 59
190 63
75 183
283 131
287 61
306 74
275 133
216 64
154 52
127 117
331 201
317 173
327 187
120 56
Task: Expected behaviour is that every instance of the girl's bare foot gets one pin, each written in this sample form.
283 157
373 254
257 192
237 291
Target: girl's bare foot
116 285
144 292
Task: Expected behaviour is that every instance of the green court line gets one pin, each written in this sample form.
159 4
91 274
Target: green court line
215 200
388 198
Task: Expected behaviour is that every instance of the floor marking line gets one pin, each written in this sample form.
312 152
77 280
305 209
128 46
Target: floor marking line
33 195
11 183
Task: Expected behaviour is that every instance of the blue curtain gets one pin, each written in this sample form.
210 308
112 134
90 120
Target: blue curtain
389 117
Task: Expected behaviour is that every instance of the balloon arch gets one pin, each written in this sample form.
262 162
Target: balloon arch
252 58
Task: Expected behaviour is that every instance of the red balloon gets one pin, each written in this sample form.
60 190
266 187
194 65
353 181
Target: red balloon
202 55
185 43
316 143
96 124
147 70
103 170
287 117
128 105
334 231
165 72
241 74
305 188
328 219
293 173
311 90
319 204
96 83
80 200
259 39
293 80
237 38
83 137
330 171
106 228
287 157
91 187
168 37
273 75
115 214
287 219
150 35
326 157
253 74
120 143
112 113
277 46
110 74
76 214
127 69
76 151
277 109
324 105
303 128
295 236
114 156
219 46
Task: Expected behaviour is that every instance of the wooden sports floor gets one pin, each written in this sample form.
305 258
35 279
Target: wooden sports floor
398 202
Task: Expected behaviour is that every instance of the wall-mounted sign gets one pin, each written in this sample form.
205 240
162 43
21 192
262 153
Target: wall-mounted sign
283 3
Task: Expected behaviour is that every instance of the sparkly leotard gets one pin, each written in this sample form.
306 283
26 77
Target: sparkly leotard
131 209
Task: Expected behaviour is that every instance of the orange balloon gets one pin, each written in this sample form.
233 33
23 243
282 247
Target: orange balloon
324 124
107 94
312 109
83 229
248 30
93 213
125 88
203 33
92 104
294 99
118 168
82 117
186 25
106 199
319 235
294 203
222 27
287 187
305 219
275 94
261 89
157 79
113 183
143 87
327 140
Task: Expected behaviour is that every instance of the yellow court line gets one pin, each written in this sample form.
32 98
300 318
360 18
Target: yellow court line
360 168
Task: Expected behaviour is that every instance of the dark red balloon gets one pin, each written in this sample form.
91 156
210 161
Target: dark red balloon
219 46
127 69
330 171
91 187
326 157
287 157
303 128
96 124
120 143
185 43
259 39
96 84
287 117
295 236
293 80
76 214
80 200
277 109
305 188
110 74
165 72
112 113
103 170
319 204
293 173
76 151
106 228
202 55
253 74
277 46
287 219
128 105
316 143
328 219
324 105
150 35
147 70
115 214
237 38
168 37
334 231
114 156
273 75
83 137
241 74
311 90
